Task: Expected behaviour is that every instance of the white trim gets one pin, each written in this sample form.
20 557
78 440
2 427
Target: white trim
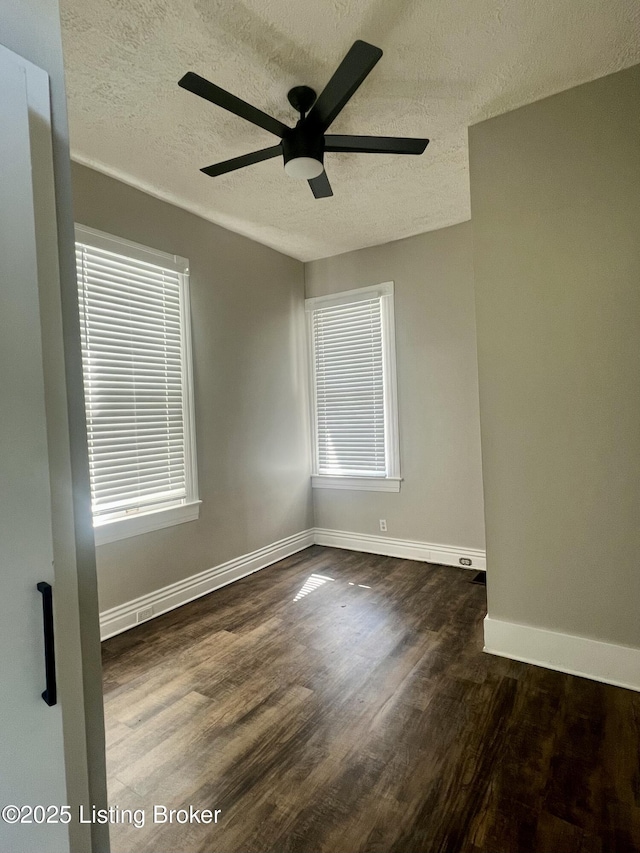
385 291
110 528
110 243
446 555
188 402
391 429
594 659
118 619
346 297
311 361
359 484
124 616
600 661
145 522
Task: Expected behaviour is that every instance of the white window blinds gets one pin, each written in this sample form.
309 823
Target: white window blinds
133 349
352 386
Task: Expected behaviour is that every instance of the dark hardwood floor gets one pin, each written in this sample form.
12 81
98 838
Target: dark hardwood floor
339 702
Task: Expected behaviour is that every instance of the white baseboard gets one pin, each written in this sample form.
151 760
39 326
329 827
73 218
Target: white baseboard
607 662
121 618
125 616
446 555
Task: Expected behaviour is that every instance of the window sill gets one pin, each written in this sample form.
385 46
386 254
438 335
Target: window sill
145 522
361 484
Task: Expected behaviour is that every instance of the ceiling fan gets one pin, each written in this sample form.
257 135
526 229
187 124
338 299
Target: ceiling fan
303 146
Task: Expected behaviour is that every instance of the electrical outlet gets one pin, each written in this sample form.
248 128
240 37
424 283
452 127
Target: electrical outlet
465 561
383 525
145 613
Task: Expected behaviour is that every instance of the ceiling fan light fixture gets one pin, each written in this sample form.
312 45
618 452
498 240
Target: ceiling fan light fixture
303 168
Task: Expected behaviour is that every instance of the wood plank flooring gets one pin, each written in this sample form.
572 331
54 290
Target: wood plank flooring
339 702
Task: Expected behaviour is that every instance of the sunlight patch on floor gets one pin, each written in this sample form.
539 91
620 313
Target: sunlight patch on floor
312 583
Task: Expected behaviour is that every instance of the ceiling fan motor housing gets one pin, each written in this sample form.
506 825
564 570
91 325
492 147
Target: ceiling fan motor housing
302 142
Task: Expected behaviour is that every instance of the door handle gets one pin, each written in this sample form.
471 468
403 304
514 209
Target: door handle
50 693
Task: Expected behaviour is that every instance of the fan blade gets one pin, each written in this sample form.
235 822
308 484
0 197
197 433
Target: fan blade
375 144
351 72
240 162
320 186
210 92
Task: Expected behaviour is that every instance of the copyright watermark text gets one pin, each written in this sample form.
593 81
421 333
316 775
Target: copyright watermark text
111 815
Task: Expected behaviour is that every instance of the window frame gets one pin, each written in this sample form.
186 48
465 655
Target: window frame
390 482
112 529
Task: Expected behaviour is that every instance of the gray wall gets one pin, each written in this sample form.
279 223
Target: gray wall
250 391
440 500
555 192
31 28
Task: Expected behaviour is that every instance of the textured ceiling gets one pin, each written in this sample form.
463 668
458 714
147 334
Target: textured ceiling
446 65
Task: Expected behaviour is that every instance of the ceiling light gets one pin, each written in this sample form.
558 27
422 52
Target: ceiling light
304 168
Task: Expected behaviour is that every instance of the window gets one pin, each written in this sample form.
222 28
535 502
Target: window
354 400
136 357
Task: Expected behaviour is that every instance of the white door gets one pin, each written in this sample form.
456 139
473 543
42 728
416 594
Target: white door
32 769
